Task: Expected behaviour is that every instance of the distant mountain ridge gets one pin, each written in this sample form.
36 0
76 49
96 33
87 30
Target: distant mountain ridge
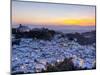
64 29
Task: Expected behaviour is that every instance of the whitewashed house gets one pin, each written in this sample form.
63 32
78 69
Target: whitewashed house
22 28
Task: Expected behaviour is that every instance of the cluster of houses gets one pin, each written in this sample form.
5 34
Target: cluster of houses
33 55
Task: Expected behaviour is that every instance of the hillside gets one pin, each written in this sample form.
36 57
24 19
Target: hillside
35 50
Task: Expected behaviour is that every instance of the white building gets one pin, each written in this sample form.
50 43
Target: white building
23 28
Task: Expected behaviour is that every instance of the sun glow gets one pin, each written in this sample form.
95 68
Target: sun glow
81 22
54 21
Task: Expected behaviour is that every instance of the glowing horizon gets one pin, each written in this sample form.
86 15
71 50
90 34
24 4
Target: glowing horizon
52 14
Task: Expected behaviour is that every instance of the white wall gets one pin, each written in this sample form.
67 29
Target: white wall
5 37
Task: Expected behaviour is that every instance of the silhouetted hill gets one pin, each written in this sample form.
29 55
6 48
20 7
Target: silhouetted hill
84 38
35 33
46 34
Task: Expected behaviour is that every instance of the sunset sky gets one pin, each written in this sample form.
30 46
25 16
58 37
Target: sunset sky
52 14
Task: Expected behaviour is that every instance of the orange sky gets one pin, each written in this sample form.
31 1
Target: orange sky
54 21
52 14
